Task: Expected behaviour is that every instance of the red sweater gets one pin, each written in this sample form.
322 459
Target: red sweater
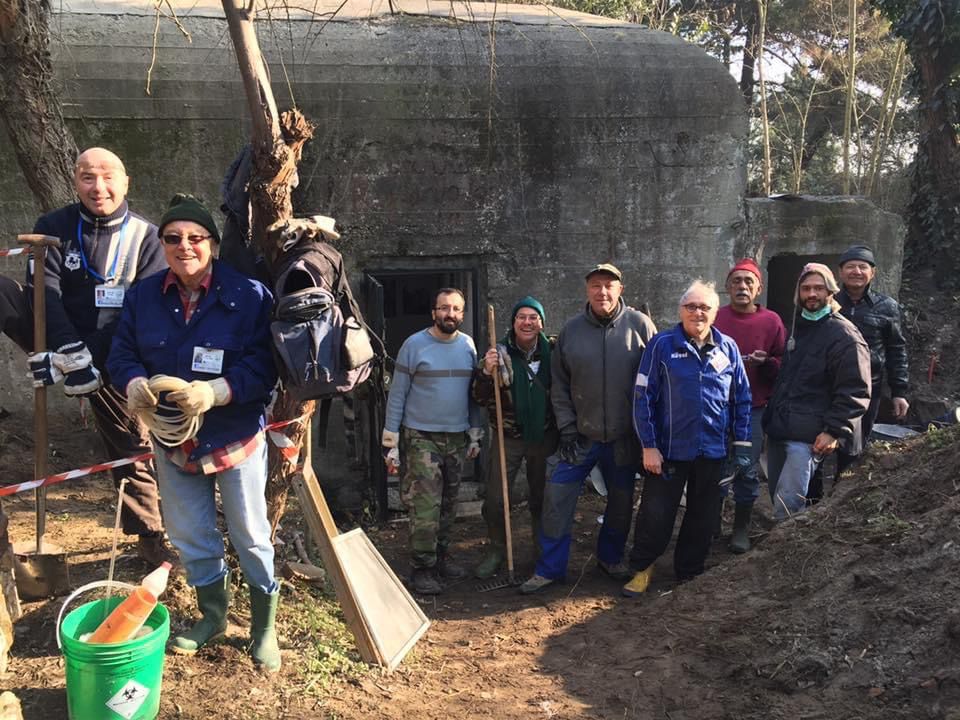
762 330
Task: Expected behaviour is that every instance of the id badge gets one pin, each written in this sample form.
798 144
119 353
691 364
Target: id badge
108 296
720 362
207 360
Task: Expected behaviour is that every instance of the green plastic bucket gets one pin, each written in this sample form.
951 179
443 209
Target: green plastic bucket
117 680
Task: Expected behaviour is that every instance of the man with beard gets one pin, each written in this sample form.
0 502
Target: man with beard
760 335
433 423
822 391
593 369
104 249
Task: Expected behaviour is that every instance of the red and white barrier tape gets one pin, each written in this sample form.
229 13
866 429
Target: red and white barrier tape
14 251
285 444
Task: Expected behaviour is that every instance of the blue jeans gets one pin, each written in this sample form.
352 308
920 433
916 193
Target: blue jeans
560 502
790 466
190 513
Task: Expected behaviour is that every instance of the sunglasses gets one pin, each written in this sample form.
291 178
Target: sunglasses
171 239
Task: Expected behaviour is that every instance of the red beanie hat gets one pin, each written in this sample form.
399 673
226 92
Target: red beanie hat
748 264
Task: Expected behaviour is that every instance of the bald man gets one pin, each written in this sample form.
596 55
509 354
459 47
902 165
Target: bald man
104 249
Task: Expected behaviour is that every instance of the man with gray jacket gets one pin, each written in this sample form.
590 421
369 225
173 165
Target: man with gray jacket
593 368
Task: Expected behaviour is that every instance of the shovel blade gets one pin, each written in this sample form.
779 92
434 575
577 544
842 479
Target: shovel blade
40 576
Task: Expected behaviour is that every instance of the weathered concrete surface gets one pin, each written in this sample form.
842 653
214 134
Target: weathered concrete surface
791 230
586 142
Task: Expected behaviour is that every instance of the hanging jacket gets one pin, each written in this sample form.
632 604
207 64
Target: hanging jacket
687 405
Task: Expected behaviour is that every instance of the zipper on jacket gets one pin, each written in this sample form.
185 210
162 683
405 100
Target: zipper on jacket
603 386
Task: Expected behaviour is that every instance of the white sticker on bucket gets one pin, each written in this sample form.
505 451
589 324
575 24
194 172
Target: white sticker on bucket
129 699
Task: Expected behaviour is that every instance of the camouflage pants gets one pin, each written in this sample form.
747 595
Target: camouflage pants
431 463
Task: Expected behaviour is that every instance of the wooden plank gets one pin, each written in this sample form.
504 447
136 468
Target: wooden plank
395 619
324 530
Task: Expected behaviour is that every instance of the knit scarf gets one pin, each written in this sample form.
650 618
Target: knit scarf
529 398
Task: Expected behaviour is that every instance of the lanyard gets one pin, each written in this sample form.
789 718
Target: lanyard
111 274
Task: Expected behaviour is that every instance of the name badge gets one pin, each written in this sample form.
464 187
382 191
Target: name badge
719 361
108 296
207 360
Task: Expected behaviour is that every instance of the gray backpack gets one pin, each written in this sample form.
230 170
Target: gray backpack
322 344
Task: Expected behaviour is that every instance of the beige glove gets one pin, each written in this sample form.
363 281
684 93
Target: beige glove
201 395
390 439
139 396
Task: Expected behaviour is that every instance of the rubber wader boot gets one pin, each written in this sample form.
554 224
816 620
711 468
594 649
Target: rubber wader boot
212 600
740 540
263 612
491 563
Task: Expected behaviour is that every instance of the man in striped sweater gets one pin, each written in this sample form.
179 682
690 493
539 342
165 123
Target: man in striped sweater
435 425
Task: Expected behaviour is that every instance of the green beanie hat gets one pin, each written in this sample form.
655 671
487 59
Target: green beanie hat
529 302
187 207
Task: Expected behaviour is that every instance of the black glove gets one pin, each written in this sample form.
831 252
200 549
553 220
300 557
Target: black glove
569 450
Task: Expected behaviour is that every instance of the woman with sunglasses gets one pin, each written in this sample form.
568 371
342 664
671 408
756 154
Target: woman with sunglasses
207 325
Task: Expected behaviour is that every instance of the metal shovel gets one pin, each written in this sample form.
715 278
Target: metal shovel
40 568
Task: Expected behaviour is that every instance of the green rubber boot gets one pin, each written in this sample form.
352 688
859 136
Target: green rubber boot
490 564
212 600
740 540
263 612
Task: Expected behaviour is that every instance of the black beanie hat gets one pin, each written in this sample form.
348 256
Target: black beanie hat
858 252
187 207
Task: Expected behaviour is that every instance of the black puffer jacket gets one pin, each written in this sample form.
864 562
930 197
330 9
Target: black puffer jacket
823 385
877 317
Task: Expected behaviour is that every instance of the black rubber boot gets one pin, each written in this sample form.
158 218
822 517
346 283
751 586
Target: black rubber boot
424 581
718 526
212 600
740 540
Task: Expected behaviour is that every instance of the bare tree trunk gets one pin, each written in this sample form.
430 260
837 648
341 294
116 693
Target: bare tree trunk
29 106
750 52
277 142
851 89
764 117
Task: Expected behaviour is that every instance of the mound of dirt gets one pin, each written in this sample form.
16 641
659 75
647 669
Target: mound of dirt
849 610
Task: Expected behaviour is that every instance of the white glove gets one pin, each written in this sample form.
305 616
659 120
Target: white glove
390 439
201 395
42 370
72 357
139 396
473 449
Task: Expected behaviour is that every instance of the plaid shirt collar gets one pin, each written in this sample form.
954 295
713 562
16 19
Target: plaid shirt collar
189 298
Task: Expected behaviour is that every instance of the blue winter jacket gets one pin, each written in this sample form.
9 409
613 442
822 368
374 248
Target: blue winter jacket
234 317
688 407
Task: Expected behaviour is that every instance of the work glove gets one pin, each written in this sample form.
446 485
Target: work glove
390 439
139 396
742 456
42 370
76 363
392 458
201 395
473 448
569 450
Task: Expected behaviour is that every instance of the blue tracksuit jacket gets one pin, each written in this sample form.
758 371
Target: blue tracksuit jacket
688 407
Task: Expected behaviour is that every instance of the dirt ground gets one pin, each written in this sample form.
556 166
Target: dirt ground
849 610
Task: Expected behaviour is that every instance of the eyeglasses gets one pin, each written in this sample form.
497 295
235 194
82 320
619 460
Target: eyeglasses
171 239
527 318
694 307
453 309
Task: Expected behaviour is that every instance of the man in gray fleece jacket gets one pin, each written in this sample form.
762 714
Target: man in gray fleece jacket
594 366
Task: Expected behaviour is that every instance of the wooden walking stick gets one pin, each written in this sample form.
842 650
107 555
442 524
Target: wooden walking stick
504 481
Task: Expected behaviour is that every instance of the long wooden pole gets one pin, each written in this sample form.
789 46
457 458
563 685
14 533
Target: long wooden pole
504 481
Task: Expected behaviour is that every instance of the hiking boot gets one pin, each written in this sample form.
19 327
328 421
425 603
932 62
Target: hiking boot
264 647
448 569
617 571
154 551
740 540
490 564
424 582
212 600
535 583
639 584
